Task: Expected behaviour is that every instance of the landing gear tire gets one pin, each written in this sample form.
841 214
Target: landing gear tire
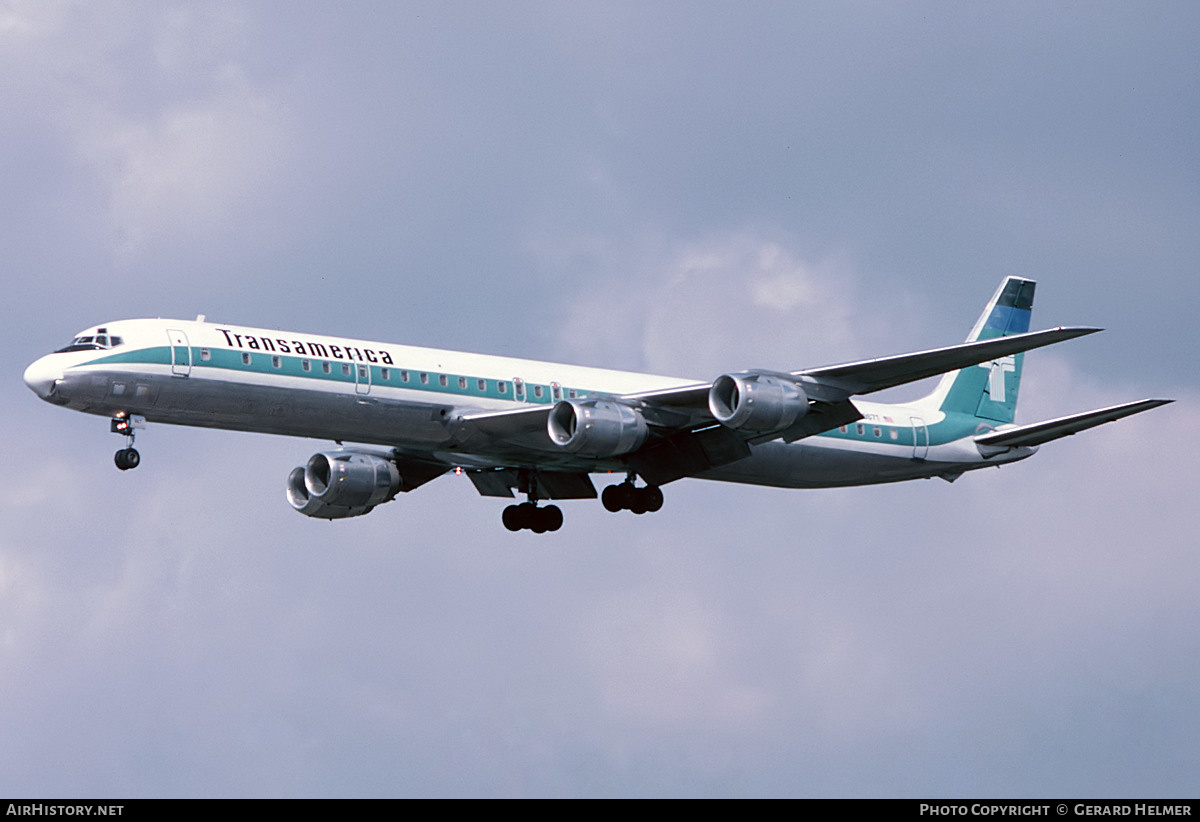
553 516
513 518
620 497
127 458
529 516
627 497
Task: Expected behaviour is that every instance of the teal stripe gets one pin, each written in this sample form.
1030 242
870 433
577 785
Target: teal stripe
953 427
223 359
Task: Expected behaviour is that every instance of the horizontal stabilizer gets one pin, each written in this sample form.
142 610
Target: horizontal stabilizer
866 376
1042 432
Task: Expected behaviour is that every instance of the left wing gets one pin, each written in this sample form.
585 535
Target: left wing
1042 432
831 385
689 438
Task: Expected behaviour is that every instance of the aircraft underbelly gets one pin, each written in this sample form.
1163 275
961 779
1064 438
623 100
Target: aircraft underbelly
807 464
262 409
427 428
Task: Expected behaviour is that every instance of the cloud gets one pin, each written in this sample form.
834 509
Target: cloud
177 630
178 143
191 171
719 303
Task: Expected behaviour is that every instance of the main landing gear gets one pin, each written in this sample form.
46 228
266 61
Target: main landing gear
626 496
529 515
127 457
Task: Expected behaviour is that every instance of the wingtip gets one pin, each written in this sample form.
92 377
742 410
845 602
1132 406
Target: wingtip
1138 406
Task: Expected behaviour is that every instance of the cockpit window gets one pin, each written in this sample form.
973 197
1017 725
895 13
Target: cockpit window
89 342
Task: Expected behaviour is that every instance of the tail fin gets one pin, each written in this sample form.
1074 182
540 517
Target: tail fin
989 390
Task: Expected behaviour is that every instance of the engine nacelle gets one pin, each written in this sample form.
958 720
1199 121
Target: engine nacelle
596 428
756 402
342 484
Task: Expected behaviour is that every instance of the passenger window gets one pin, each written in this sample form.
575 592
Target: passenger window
306 365
362 372
245 359
276 362
878 432
537 391
860 428
205 354
462 382
502 387
345 369
424 378
483 385
403 375
385 374
443 380
893 433
327 367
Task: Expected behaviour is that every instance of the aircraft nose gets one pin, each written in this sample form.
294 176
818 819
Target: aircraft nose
41 376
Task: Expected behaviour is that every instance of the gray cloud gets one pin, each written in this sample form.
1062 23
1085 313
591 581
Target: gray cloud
681 188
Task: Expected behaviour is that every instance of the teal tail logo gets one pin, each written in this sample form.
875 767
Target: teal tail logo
989 390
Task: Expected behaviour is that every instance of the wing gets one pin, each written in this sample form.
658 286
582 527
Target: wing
1042 432
833 383
687 438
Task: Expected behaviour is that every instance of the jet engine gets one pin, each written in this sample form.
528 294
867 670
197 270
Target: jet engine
342 484
756 402
596 428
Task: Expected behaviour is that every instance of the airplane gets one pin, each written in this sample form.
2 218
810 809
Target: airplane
542 429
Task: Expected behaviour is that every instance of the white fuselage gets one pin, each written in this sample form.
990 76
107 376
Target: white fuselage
412 399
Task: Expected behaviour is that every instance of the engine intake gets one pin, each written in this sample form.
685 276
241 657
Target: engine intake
342 484
756 402
596 428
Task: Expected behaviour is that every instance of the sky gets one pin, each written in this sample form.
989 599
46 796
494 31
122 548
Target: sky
682 188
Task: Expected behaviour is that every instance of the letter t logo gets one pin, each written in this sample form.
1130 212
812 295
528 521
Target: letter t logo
996 372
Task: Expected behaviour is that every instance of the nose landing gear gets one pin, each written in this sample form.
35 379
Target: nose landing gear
127 457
